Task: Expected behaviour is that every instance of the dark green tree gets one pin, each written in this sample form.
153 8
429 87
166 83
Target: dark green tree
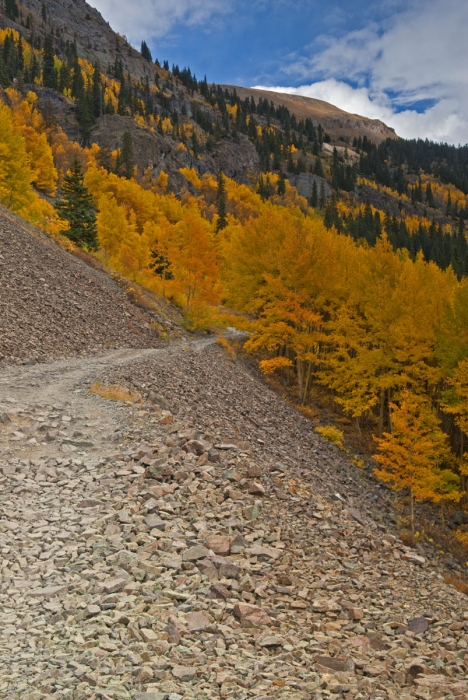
448 210
145 52
313 201
318 167
76 206
44 12
97 92
221 204
125 159
11 9
49 74
429 196
322 197
281 186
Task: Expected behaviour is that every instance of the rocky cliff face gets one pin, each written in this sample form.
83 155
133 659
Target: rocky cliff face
95 40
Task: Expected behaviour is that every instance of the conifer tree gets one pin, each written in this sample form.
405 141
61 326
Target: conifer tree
11 9
448 210
281 186
429 195
126 161
314 196
77 208
97 91
145 51
49 75
322 198
318 167
221 204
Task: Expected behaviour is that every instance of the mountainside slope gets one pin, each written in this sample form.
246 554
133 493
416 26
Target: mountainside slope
203 552
52 304
77 21
337 122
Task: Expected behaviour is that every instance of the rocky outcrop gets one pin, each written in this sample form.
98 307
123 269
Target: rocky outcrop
304 183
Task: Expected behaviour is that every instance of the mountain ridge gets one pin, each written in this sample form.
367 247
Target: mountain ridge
335 120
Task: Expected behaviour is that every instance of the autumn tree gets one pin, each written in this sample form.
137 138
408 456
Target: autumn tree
30 123
413 455
15 173
77 208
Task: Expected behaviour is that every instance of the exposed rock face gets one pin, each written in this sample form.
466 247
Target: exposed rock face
52 304
95 40
160 152
304 183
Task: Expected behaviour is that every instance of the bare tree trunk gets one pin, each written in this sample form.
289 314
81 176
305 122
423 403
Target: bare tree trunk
300 377
390 425
382 412
412 511
358 426
307 382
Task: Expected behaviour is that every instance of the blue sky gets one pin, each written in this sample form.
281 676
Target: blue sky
404 62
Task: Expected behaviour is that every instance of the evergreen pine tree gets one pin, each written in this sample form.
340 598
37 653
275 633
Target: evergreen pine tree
318 167
44 12
313 201
461 226
221 204
77 207
281 187
429 195
145 52
11 9
127 161
322 197
49 75
97 91
448 210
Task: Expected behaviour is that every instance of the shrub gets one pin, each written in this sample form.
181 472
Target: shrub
332 434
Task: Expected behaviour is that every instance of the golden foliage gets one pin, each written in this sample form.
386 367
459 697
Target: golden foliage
332 434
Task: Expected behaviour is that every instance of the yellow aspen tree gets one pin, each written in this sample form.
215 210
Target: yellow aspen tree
287 327
411 456
134 254
112 225
15 173
30 124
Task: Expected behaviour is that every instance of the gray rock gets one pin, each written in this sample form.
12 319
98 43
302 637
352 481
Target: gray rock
195 553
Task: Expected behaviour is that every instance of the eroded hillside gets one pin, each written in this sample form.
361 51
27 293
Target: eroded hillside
52 304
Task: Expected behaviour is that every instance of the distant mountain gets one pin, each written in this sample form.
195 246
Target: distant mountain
335 121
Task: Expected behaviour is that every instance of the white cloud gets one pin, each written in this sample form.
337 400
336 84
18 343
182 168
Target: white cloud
418 54
445 121
155 18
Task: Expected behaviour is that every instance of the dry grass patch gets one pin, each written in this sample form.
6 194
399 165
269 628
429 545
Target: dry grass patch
115 392
457 582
